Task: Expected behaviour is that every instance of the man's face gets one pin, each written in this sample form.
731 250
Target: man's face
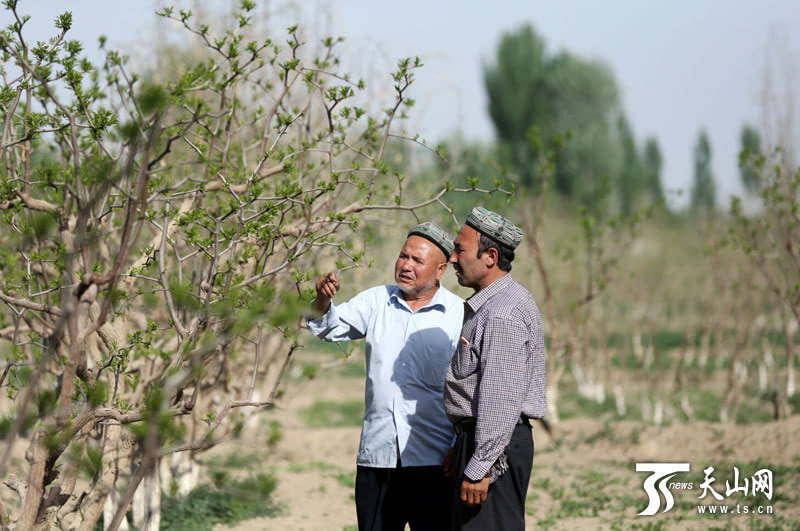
470 268
419 266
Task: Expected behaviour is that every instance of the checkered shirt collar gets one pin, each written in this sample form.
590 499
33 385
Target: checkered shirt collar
480 297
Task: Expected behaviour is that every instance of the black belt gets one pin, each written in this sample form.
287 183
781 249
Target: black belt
467 425
463 426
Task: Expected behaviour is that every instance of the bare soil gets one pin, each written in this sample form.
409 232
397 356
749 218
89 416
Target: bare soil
583 478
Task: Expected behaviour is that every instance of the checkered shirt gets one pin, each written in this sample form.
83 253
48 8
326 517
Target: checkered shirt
497 374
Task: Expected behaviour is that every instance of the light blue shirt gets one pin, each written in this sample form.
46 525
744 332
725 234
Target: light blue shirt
408 353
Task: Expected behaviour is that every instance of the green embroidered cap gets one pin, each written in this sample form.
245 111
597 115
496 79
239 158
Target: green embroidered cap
495 226
437 235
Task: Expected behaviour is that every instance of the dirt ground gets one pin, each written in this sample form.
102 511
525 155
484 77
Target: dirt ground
583 478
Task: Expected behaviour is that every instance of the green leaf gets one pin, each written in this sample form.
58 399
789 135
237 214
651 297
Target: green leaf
152 97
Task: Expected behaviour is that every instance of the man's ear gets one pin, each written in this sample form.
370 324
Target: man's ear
493 255
440 269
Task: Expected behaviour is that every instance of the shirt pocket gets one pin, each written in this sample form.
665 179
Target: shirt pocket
465 361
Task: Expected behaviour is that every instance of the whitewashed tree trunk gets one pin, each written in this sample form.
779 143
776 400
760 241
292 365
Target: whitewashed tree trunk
686 406
647 412
584 388
690 354
741 371
649 357
110 509
658 413
638 349
705 346
185 472
599 392
552 404
619 400
147 502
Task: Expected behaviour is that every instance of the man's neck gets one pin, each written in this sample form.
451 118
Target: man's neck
491 277
416 301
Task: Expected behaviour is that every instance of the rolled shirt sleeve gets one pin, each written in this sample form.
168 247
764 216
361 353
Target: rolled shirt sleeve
345 322
501 393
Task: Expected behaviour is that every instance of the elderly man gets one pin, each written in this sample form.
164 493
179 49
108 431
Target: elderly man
496 380
411 331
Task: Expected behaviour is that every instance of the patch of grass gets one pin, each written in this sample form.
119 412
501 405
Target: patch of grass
346 479
341 476
572 405
625 360
706 404
275 433
651 526
542 484
667 339
606 432
794 401
228 503
324 414
233 460
751 411
547 523
315 466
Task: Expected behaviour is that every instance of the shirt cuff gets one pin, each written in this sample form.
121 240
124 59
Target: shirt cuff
323 322
476 470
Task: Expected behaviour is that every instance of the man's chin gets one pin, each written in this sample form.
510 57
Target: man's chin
404 287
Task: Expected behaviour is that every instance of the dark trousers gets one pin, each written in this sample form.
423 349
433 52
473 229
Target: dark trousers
504 508
388 498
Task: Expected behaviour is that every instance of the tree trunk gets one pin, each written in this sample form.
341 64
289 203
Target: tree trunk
147 502
98 495
37 457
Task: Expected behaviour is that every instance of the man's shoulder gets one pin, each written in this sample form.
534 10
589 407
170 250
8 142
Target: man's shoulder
450 298
452 303
514 302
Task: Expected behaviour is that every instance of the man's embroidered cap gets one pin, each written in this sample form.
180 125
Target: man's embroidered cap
434 233
495 226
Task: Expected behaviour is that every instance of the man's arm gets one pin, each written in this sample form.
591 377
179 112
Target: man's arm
344 322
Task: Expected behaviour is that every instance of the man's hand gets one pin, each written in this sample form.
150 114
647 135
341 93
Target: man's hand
447 464
473 493
327 286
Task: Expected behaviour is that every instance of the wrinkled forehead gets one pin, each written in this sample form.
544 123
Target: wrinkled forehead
417 245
